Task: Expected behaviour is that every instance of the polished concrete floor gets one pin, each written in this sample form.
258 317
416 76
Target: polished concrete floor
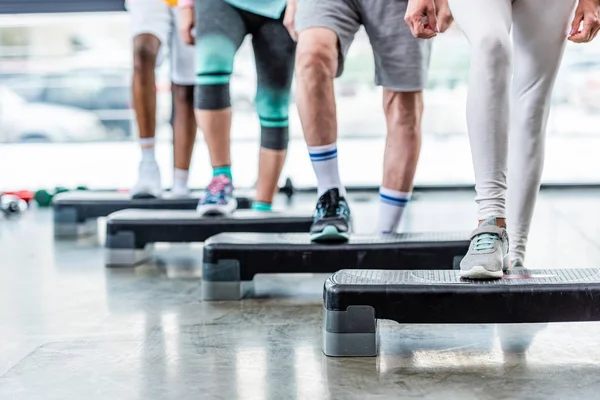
71 329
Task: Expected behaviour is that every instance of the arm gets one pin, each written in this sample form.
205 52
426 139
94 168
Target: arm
186 20
443 14
586 23
289 18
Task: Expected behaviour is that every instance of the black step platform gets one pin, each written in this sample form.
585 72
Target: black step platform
230 261
75 212
129 232
355 299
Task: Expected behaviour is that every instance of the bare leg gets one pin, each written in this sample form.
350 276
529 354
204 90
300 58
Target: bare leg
145 51
216 126
316 66
270 165
184 125
403 111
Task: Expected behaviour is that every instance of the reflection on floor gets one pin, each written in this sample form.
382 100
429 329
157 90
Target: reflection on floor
73 330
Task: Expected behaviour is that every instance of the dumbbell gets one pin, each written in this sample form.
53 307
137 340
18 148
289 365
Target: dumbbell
12 206
22 194
44 197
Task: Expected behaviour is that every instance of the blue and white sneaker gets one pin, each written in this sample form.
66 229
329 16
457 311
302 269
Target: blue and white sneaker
218 198
487 257
331 219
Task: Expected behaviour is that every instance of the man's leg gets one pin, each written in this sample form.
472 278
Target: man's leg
183 77
487 122
403 112
326 30
401 64
184 136
538 51
274 52
220 30
150 25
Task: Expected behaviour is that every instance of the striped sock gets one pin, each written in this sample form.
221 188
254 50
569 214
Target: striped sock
260 206
325 163
224 170
391 207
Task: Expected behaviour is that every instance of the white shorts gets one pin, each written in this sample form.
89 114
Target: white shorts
156 18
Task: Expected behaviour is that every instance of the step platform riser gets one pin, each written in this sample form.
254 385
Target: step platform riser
355 299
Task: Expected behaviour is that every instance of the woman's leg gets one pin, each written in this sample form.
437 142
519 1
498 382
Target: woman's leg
274 52
538 49
486 25
220 30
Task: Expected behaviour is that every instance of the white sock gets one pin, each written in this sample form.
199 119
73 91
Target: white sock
325 163
147 145
180 178
391 207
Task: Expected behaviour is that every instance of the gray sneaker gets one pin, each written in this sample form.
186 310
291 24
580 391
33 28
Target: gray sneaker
488 254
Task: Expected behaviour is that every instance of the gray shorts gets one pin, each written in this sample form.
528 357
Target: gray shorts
401 61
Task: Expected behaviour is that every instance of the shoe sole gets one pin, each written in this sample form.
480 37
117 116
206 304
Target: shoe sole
479 272
216 210
144 196
329 234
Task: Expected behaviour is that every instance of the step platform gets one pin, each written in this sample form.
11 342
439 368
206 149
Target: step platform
230 261
130 232
355 299
75 213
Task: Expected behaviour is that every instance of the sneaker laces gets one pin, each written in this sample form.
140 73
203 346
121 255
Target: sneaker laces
218 184
326 203
485 241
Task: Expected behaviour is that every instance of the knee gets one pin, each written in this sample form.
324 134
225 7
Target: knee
183 95
144 57
403 111
316 57
494 50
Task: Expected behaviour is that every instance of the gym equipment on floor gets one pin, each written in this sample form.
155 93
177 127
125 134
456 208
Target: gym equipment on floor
355 299
231 260
25 195
129 232
75 213
12 206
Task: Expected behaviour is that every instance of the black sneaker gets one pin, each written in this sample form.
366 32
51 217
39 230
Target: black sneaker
332 218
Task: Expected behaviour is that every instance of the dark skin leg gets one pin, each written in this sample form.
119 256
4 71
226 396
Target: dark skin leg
184 125
145 51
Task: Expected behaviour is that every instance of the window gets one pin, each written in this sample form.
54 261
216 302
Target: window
66 106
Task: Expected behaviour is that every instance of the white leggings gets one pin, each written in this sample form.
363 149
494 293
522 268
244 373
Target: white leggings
539 29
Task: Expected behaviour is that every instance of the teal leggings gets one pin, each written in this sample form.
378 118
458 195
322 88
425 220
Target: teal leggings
220 31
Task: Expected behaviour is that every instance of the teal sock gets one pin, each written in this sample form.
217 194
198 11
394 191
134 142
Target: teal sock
224 170
260 206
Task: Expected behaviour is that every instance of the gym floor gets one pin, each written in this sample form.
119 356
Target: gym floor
72 329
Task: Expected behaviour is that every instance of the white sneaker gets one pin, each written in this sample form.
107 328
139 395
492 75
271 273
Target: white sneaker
148 185
487 257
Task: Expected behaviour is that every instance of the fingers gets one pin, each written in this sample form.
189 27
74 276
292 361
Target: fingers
289 21
576 23
289 25
414 20
591 26
186 36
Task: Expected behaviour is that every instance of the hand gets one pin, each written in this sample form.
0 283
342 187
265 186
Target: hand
186 24
415 13
443 15
587 13
289 18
